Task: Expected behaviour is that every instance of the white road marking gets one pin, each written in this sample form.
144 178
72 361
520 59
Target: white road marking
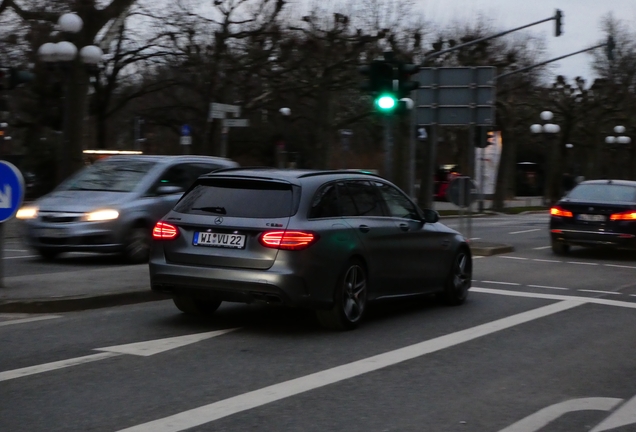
599 292
144 349
21 257
217 410
514 258
478 257
548 287
16 250
580 299
157 346
582 263
525 231
625 415
542 247
26 320
501 283
46 367
619 266
475 238
542 418
546 260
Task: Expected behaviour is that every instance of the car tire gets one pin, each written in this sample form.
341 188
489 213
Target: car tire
193 306
459 279
137 246
350 299
560 248
48 254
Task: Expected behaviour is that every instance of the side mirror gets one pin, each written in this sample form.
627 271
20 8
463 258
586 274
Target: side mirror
169 190
430 216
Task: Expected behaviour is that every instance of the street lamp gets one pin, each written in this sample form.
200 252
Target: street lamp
280 145
619 139
547 129
64 53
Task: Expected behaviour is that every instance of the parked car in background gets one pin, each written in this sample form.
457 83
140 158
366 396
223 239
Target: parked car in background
326 240
112 205
595 213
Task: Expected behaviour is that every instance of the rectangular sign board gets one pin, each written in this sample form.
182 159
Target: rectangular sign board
456 96
236 122
218 110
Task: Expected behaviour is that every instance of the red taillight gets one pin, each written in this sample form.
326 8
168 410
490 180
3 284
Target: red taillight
290 240
558 211
629 215
164 231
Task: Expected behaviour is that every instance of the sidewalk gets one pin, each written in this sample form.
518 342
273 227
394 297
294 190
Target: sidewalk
127 284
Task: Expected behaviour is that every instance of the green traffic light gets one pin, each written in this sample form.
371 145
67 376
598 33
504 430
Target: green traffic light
386 102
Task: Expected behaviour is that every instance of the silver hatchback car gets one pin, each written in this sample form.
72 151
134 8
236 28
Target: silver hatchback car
112 205
325 240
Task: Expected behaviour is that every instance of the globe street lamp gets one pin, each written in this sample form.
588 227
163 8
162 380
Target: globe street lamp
64 55
547 129
281 152
619 139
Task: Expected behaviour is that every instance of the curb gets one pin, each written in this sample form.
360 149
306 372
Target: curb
71 304
485 249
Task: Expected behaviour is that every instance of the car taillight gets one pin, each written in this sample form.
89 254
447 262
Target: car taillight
290 240
629 215
164 231
558 211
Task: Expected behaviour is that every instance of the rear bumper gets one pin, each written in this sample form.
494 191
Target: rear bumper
274 286
594 238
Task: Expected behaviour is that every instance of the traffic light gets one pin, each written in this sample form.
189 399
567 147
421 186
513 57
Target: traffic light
405 84
3 131
558 23
485 137
609 48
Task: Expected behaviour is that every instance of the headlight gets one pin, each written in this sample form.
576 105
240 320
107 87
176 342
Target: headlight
27 212
100 215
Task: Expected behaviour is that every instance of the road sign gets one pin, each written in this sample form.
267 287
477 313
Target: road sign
185 140
185 130
11 190
456 96
236 122
218 110
462 191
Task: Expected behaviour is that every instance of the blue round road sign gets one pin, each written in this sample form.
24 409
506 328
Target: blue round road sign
11 190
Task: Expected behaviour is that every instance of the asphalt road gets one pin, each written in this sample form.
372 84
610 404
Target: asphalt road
544 343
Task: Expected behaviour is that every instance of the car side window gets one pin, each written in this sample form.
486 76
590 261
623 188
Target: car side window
397 203
347 206
177 175
365 197
325 203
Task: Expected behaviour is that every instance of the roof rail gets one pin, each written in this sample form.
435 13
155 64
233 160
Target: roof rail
241 168
340 171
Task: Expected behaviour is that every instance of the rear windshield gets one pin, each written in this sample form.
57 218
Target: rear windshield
110 175
238 198
604 193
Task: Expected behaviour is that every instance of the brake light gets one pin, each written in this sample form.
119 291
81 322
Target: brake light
164 231
289 240
558 211
629 215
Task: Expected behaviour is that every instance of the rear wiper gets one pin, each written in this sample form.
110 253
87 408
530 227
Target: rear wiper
218 210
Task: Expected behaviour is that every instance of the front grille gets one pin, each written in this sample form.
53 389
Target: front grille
61 217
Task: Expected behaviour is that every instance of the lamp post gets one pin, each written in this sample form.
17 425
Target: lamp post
75 87
281 144
547 129
619 139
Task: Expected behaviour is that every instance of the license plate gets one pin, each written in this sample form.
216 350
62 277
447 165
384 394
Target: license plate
591 218
52 232
236 241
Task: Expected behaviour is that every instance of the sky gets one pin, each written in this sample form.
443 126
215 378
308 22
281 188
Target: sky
581 23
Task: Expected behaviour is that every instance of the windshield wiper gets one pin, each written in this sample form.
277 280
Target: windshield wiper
217 210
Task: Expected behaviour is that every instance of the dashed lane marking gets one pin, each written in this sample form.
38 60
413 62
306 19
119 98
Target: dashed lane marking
582 263
501 283
548 287
525 231
26 320
515 258
542 247
546 260
599 292
593 300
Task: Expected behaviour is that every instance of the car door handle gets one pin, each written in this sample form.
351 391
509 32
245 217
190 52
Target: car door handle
364 228
404 227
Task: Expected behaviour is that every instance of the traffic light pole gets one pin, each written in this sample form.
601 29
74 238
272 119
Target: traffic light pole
388 147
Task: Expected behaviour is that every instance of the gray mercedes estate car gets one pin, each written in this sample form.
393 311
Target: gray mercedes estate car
327 240
112 205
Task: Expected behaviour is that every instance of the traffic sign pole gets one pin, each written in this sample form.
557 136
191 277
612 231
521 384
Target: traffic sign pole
11 195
